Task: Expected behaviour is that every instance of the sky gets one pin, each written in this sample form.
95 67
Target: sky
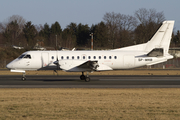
83 11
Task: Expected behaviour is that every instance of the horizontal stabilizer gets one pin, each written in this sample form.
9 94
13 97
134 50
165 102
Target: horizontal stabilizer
156 62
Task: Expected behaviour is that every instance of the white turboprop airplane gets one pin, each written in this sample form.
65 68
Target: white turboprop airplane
153 52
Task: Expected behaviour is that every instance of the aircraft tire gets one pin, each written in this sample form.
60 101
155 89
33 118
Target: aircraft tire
23 78
82 77
87 79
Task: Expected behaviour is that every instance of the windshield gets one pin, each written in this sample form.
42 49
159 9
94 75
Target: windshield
27 56
21 56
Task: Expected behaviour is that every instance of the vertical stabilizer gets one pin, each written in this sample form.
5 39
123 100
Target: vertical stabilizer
162 38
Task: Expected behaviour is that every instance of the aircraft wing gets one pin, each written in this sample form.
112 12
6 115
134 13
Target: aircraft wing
90 65
77 65
94 66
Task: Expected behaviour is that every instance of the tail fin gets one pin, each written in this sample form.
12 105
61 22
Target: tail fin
162 38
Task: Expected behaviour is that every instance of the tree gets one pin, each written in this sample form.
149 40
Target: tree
12 29
69 40
176 39
55 34
148 23
30 33
112 23
73 28
145 16
44 33
118 24
100 32
82 34
72 32
69 36
56 28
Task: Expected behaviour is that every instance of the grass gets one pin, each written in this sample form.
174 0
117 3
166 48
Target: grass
118 72
79 103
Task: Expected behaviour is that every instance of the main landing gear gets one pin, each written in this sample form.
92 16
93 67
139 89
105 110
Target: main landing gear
23 77
86 78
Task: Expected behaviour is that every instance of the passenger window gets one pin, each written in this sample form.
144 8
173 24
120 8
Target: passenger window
104 57
115 57
28 56
62 57
109 57
52 57
72 57
77 57
67 57
89 57
94 57
99 57
83 57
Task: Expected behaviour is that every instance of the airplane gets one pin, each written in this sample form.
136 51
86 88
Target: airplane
153 52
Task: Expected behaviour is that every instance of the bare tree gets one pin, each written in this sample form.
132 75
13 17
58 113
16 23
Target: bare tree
12 28
39 27
118 24
145 16
149 22
2 27
111 20
19 20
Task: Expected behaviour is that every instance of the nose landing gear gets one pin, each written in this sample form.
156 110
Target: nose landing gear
23 77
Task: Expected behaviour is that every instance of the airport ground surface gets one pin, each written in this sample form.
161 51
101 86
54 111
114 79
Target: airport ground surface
134 94
110 79
97 81
90 103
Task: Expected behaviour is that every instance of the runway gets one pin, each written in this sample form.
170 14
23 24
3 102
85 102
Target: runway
99 81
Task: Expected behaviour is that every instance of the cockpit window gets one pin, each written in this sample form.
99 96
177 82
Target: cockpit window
21 56
27 56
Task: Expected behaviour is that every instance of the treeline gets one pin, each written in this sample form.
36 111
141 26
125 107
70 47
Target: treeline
114 31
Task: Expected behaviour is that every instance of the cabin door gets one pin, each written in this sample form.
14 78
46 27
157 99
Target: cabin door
128 61
45 59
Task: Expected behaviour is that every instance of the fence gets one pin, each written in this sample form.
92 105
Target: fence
170 64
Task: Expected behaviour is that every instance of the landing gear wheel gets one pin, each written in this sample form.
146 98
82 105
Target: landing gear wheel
82 77
87 79
23 78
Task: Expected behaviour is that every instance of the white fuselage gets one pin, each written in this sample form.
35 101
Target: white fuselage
107 60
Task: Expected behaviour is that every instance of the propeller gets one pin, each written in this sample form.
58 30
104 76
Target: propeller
57 64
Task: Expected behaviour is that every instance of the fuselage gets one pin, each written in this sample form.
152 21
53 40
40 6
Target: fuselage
114 60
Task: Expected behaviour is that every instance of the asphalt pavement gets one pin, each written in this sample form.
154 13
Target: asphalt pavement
97 81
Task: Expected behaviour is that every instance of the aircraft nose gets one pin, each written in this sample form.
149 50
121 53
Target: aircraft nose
9 66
